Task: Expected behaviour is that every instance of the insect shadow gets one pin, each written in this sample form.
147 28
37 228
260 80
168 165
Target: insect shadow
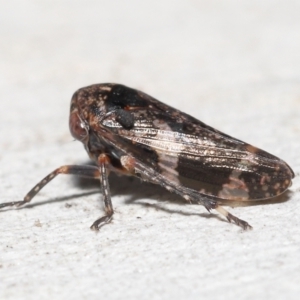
51 200
133 189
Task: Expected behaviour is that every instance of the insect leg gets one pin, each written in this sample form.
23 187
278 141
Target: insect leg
231 218
85 171
103 162
210 202
189 195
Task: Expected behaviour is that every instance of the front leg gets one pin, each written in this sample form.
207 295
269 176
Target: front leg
84 171
103 162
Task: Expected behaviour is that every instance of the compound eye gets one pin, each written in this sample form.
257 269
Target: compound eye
77 127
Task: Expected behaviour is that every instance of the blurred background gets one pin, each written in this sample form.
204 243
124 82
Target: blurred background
185 53
233 64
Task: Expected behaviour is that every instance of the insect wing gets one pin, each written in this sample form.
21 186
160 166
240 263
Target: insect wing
189 153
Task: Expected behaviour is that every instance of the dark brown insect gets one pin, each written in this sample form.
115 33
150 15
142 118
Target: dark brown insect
129 132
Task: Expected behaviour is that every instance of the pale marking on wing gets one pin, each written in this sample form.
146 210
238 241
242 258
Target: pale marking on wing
198 152
236 189
167 163
172 143
168 167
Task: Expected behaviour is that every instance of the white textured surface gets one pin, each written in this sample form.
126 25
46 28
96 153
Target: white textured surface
233 64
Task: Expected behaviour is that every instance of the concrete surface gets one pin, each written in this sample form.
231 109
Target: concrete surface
233 64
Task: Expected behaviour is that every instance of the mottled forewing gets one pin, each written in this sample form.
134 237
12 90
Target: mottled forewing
187 152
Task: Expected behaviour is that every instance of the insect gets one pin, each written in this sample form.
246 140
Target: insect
127 131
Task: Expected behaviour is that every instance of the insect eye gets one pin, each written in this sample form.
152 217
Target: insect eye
77 127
